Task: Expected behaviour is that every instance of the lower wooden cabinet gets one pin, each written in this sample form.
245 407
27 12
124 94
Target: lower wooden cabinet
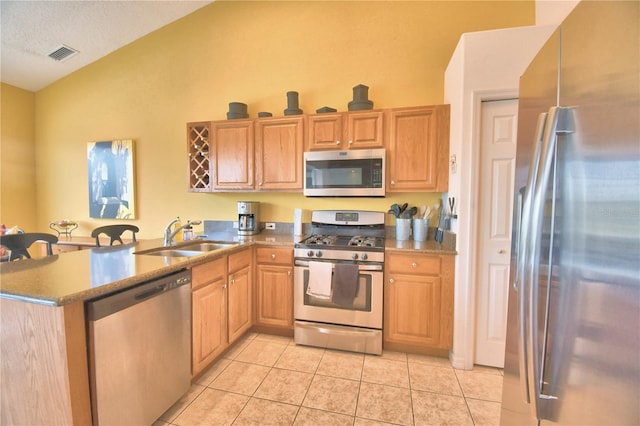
239 294
418 310
221 306
274 287
209 312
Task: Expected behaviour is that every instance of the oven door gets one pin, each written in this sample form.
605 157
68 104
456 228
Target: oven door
366 310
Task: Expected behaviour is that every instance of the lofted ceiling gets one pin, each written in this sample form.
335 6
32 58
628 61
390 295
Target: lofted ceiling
32 30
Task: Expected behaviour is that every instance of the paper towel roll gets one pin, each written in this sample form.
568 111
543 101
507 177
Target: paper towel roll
297 222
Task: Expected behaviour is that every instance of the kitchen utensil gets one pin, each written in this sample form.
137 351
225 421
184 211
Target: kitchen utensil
421 211
408 214
440 230
395 210
404 207
452 205
427 213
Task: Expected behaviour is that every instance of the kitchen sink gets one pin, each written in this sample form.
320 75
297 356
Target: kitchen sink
188 249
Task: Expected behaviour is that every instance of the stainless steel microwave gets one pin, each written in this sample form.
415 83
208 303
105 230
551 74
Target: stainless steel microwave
356 173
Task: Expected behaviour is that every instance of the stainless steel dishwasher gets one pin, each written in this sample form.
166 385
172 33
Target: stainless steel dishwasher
140 350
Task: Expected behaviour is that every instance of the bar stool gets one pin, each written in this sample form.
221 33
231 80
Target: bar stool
18 244
114 232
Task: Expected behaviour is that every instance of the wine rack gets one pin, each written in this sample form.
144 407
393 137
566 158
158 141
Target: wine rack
199 163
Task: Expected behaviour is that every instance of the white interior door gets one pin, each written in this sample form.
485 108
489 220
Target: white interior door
495 202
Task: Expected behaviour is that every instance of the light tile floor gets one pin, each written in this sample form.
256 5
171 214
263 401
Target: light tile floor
269 380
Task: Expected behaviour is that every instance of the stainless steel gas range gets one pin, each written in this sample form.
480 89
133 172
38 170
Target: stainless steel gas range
338 281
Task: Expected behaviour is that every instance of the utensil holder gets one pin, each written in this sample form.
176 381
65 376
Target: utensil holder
403 229
420 229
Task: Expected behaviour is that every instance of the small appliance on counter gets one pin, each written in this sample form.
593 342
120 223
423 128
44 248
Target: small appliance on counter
248 217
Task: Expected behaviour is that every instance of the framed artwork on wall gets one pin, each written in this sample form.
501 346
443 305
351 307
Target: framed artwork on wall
111 179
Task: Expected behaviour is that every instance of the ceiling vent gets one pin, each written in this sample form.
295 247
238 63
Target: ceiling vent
63 52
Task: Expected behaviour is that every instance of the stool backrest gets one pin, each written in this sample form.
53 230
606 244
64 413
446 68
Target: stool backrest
114 232
18 244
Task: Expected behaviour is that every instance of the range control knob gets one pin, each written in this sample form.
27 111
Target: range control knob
318 253
310 253
364 256
354 256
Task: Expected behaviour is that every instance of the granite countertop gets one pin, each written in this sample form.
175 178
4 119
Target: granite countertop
88 274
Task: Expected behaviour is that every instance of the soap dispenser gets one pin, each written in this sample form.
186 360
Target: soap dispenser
176 226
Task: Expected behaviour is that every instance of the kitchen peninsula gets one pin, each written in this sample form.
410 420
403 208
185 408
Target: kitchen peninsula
45 373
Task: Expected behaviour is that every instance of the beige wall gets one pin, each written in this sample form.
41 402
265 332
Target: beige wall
17 160
252 52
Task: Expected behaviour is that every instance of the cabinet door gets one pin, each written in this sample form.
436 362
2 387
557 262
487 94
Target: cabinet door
418 149
274 306
209 316
239 303
365 130
325 132
198 146
232 149
279 145
412 310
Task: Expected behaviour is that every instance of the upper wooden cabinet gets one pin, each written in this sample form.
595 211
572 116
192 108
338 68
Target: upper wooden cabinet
418 149
279 146
198 145
232 153
348 130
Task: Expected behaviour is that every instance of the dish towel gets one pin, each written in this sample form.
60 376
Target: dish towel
345 284
320 280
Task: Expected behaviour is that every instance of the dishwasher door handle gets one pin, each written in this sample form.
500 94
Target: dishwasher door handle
150 292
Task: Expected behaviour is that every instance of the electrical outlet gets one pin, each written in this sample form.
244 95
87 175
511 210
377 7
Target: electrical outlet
235 224
270 226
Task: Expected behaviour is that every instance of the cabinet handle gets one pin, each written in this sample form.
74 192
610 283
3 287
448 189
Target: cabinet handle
391 281
233 282
224 285
289 273
273 256
414 265
337 142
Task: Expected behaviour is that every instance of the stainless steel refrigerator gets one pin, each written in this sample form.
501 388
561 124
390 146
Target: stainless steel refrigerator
573 334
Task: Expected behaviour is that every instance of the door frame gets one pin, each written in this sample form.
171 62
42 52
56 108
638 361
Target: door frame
467 318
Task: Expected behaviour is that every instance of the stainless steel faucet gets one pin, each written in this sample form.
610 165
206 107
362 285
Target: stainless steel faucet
169 235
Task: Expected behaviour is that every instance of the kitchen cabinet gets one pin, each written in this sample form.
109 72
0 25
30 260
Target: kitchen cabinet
209 312
221 305
199 168
232 155
418 302
418 149
349 130
239 293
279 152
274 288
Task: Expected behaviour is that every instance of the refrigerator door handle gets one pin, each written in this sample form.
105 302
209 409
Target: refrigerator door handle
522 236
557 123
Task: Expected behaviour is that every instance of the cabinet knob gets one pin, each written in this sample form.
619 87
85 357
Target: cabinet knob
391 280
224 285
350 142
414 265
502 251
337 142
273 256
289 273
393 182
233 282
259 183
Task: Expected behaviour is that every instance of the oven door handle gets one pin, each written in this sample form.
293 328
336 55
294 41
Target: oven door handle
361 267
